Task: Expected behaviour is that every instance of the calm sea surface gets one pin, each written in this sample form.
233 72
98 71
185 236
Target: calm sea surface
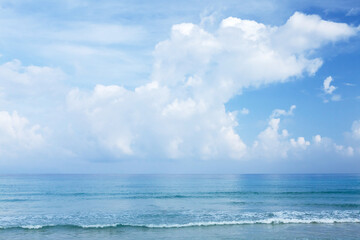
180 207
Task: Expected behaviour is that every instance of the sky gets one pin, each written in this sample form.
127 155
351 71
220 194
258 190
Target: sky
179 87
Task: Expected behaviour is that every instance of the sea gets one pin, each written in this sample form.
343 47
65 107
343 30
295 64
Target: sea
310 206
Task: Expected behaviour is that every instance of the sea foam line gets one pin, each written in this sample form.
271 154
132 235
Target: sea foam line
264 221
273 221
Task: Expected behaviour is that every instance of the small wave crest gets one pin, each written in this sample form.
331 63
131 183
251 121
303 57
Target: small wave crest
34 226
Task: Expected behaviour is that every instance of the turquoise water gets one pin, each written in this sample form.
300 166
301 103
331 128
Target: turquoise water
179 206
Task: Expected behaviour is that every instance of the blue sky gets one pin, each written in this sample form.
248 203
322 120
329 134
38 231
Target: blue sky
169 87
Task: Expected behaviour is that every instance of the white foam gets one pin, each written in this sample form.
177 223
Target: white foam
263 221
32 226
99 226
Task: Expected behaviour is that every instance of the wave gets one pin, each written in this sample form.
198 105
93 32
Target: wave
270 221
245 218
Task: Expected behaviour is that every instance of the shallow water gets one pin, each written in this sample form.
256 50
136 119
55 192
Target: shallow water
180 206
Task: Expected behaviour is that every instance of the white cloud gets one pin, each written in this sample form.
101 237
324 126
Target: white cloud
17 133
152 121
348 151
20 80
304 32
180 113
329 90
317 139
282 112
14 71
324 144
300 142
355 129
327 87
273 143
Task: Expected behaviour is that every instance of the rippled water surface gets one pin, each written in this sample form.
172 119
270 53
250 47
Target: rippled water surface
179 206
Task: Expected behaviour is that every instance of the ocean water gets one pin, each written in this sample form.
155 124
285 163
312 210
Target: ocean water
179 207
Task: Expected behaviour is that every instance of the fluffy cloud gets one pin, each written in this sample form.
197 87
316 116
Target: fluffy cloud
21 81
37 92
300 142
348 151
327 145
355 138
273 143
329 89
355 129
303 32
317 139
151 121
180 113
17 133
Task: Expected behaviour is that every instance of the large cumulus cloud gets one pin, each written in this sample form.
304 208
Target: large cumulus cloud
180 112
